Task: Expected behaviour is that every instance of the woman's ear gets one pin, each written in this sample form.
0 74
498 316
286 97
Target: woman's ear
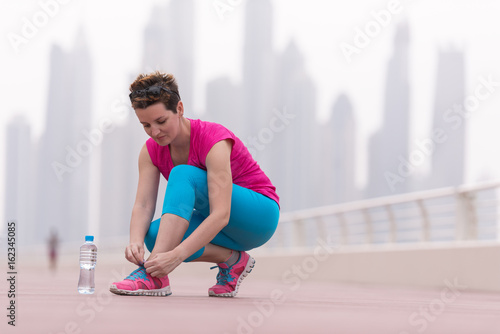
180 108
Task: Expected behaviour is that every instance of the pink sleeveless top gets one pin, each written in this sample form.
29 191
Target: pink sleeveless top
245 170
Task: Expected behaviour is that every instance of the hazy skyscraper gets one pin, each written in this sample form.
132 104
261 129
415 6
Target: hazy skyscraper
289 153
51 190
81 104
224 105
389 146
19 178
169 44
119 176
338 140
258 61
62 193
448 159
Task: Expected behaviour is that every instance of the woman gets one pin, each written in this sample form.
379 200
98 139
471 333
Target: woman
218 203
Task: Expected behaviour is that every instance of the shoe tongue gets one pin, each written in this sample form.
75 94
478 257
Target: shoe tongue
223 265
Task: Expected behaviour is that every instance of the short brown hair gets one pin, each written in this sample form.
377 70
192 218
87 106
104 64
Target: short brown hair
169 97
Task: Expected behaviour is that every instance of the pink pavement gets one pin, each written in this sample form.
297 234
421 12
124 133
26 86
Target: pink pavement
50 304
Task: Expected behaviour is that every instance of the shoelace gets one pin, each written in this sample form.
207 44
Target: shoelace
224 275
138 273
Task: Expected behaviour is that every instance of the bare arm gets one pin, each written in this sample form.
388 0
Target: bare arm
144 206
220 185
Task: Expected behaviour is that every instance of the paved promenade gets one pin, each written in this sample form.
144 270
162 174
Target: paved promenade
47 302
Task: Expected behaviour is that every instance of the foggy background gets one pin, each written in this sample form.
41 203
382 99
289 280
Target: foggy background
337 101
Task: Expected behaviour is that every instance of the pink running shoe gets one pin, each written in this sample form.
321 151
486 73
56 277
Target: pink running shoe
140 283
229 278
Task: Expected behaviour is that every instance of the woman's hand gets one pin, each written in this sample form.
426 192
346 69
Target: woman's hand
135 253
163 263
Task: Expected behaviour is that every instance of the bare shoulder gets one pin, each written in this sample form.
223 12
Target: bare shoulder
220 152
144 157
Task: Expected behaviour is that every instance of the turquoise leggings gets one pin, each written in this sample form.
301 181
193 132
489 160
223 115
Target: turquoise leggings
253 220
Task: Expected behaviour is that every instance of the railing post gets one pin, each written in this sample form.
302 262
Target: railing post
298 233
344 232
280 238
426 223
466 216
392 223
369 227
321 228
497 216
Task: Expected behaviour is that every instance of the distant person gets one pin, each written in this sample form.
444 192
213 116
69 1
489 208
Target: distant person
53 245
218 203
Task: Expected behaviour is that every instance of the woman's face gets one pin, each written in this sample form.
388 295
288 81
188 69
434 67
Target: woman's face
159 123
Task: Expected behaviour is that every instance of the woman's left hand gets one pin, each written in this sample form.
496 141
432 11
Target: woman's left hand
162 264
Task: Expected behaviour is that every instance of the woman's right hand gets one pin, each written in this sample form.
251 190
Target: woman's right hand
135 253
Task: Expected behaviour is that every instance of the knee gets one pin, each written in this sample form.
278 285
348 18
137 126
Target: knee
183 171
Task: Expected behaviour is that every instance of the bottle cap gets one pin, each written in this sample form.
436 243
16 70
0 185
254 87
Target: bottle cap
89 238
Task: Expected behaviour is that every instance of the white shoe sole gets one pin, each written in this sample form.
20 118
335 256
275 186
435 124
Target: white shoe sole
157 292
248 269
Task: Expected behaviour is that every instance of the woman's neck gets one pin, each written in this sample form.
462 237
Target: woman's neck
183 138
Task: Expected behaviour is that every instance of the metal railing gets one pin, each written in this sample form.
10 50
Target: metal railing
440 215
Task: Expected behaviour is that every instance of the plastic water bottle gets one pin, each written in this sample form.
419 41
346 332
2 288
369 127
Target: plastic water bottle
88 258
